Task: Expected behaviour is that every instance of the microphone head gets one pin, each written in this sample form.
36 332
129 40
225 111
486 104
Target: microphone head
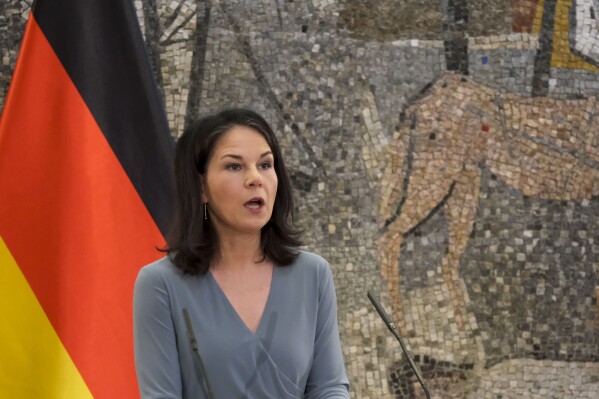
379 309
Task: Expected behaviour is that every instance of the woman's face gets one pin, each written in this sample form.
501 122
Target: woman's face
240 183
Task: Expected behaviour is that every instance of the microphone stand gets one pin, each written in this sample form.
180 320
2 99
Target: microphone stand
196 351
391 325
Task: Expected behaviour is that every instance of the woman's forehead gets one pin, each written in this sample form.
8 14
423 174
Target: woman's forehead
242 140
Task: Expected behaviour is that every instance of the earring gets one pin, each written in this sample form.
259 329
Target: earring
205 211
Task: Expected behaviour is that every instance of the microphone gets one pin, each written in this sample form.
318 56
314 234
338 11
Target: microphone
196 351
391 325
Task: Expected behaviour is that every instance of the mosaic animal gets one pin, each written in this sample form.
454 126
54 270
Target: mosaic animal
544 147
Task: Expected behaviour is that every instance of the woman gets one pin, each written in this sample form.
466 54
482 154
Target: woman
263 312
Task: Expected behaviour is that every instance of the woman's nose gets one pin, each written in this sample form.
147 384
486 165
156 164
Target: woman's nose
253 178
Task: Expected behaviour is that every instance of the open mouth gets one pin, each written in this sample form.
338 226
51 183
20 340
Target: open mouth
254 203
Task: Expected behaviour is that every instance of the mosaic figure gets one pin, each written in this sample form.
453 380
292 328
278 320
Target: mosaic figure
543 147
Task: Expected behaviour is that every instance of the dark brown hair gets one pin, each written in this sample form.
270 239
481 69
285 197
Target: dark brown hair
194 241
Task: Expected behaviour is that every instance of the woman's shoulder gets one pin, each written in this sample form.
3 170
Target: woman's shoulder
309 262
311 259
311 272
159 270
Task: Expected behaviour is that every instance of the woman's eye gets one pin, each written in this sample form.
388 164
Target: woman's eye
234 166
266 165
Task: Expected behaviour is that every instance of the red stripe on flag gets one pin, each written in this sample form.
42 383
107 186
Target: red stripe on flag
72 219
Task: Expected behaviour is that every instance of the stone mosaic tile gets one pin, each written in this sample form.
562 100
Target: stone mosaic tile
525 378
545 248
12 26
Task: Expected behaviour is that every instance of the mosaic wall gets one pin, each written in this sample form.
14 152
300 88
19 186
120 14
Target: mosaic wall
444 154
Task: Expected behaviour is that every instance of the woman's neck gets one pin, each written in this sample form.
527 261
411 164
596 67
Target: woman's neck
237 251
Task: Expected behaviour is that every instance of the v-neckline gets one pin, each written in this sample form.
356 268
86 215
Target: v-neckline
236 315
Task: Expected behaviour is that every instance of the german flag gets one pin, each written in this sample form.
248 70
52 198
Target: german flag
85 196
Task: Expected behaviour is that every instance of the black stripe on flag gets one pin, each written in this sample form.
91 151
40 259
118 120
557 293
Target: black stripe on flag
102 39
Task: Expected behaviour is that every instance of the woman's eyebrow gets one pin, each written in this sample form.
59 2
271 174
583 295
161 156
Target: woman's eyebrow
235 156
232 156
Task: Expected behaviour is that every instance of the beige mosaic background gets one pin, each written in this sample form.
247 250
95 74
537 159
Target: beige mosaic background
443 153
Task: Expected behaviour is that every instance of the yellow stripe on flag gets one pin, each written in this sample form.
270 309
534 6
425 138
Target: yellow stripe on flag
33 362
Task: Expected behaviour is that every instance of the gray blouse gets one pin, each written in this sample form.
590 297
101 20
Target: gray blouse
295 352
